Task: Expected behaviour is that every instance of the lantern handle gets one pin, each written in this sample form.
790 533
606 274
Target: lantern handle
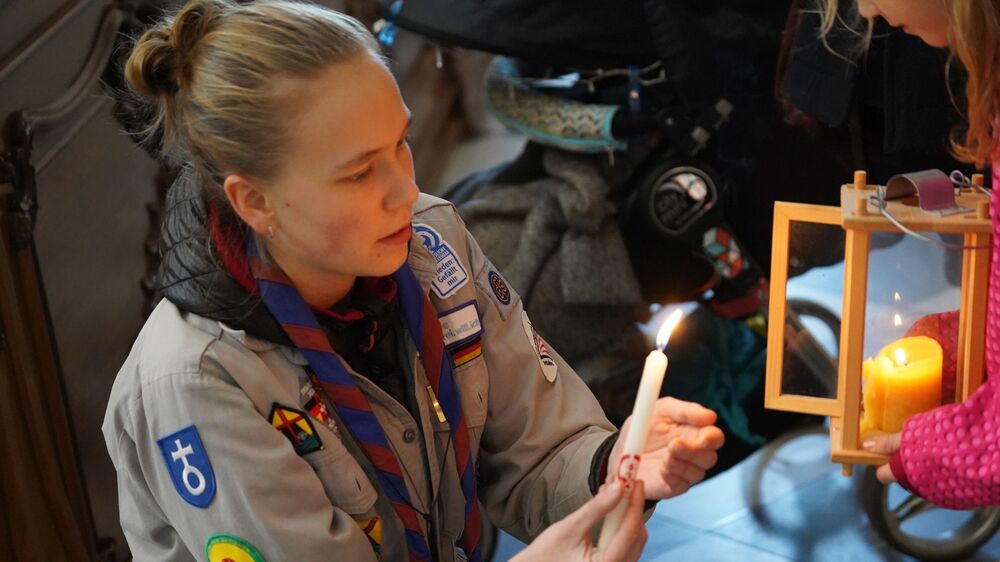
880 202
929 185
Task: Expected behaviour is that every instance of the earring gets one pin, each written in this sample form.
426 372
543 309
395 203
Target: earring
270 231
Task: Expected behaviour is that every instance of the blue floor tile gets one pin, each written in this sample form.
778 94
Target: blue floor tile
820 522
711 548
665 535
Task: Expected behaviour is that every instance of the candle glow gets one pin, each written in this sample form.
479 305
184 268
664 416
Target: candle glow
900 356
902 380
663 335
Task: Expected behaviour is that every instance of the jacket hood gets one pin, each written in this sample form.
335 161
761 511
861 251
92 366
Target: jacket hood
192 274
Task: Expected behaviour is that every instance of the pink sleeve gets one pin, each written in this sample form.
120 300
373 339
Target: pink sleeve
951 455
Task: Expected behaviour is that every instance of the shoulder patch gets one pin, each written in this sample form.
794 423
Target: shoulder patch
188 464
499 286
296 426
545 360
227 548
450 275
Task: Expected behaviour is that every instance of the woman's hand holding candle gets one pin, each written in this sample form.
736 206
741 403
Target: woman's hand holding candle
678 446
666 443
681 444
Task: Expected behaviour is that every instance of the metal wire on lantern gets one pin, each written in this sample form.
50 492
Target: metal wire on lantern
936 193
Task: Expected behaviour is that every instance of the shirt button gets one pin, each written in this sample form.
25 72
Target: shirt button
409 436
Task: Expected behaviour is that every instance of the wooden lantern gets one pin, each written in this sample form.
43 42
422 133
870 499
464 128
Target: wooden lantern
859 218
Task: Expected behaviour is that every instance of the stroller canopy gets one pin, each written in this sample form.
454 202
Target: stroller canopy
581 33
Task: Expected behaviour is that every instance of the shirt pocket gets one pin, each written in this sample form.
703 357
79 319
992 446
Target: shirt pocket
473 384
344 481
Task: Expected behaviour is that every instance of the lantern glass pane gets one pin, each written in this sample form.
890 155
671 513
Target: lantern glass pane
914 290
814 297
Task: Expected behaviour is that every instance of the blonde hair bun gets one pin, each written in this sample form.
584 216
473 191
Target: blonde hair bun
160 63
204 80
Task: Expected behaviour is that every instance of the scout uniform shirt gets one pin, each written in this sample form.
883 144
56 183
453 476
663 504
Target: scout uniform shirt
225 450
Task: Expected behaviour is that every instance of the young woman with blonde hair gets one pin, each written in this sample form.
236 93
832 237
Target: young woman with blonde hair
337 372
951 455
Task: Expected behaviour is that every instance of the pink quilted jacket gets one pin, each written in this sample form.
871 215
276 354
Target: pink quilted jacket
951 455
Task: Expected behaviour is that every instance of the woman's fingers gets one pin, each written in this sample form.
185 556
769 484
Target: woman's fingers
705 459
627 544
684 412
591 512
676 485
690 473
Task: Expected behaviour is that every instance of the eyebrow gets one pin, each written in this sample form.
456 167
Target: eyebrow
366 155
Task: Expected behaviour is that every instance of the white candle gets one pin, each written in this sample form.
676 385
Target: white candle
642 413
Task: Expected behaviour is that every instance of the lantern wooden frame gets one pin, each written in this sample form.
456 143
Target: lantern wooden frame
859 219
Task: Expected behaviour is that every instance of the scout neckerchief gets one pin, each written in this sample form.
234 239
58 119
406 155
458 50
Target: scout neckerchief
299 323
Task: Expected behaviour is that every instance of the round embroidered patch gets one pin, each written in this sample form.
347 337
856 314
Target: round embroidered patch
227 548
499 287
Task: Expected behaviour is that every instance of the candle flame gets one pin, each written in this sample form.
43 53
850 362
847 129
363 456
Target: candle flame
896 297
900 356
663 336
897 320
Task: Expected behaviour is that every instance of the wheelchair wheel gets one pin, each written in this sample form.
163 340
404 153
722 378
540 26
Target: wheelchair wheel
919 528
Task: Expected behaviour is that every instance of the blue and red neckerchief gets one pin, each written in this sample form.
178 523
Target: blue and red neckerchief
299 323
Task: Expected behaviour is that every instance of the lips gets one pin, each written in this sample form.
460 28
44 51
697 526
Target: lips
401 235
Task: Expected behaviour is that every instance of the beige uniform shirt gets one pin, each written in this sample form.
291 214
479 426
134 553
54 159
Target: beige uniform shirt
236 486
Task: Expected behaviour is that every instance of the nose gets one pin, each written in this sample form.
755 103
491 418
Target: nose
402 189
403 193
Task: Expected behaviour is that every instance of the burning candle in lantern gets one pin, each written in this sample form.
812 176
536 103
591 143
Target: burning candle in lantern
642 412
902 380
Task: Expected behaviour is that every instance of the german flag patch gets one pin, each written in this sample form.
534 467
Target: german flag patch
296 426
467 351
314 404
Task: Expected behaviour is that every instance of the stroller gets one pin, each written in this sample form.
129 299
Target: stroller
622 197
644 183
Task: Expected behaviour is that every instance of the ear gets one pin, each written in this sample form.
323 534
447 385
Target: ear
249 202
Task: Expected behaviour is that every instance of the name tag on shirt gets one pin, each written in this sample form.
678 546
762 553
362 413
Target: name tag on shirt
460 324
